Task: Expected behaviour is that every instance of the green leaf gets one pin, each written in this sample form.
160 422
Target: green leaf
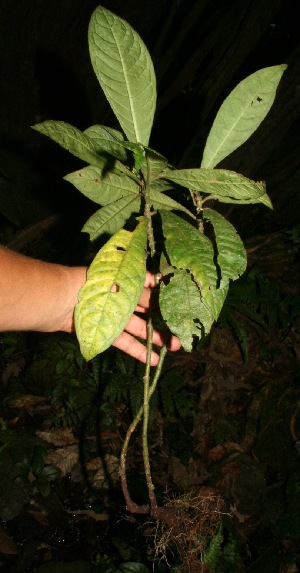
161 185
221 184
111 218
188 311
114 284
125 72
107 140
241 113
179 303
187 248
138 152
160 201
213 300
99 131
74 140
232 257
156 163
102 187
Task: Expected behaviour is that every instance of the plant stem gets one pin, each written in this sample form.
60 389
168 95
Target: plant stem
149 388
131 505
147 212
150 486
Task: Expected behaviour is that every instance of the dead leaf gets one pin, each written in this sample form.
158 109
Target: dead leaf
59 437
108 469
64 458
27 401
183 475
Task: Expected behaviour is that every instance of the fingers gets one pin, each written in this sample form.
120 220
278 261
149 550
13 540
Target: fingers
147 293
150 280
144 302
134 348
138 327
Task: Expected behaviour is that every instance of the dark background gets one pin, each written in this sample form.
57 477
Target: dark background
201 50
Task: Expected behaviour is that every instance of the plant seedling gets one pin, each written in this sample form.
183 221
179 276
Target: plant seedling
201 252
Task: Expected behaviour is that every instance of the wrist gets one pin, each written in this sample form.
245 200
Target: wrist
73 279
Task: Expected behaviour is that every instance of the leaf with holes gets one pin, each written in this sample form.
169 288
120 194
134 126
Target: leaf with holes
222 184
232 257
241 113
124 69
114 284
180 307
187 248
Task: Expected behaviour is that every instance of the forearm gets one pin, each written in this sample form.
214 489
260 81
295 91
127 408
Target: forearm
35 295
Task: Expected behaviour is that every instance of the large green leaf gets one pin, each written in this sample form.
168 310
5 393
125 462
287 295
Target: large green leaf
214 299
107 140
241 113
102 187
111 218
187 311
138 152
221 184
162 185
181 317
156 163
74 140
187 248
114 284
232 257
125 72
160 201
179 303
99 131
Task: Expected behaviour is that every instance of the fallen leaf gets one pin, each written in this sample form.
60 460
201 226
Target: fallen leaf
58 437
64 458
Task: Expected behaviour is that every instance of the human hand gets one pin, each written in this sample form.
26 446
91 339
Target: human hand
138 327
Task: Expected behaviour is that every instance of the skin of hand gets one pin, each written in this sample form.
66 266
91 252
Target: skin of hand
40 296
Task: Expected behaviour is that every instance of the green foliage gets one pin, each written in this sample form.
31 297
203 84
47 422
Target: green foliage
22 464
223 556
126 177
241 113
120 377
175 397
125 72
260 300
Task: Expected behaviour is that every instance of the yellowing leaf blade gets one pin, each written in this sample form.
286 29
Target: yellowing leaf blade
114 283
